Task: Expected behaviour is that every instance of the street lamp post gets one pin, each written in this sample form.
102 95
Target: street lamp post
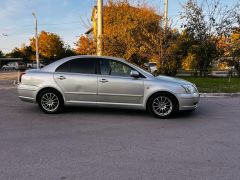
36 37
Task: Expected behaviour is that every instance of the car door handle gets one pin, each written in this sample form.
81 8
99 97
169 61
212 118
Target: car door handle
61 77
103 80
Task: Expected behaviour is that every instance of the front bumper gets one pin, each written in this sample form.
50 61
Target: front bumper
188 101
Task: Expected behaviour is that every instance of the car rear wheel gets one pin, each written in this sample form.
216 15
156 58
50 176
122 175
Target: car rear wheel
50 102
163 105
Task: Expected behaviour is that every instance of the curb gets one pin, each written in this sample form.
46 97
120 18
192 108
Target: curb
220 94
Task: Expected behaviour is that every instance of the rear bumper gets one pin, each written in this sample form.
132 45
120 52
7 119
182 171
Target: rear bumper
27 99
188 101
27 93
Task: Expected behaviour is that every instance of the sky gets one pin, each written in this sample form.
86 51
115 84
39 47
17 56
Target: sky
67 18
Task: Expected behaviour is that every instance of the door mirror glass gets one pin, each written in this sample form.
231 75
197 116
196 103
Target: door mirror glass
134 74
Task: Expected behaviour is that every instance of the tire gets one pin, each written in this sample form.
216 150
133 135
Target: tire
51 102
162 105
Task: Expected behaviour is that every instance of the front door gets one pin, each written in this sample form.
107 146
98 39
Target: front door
115 85
78 80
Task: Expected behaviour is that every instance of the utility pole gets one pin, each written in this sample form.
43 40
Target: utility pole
165 16
36 37
163 50
99 27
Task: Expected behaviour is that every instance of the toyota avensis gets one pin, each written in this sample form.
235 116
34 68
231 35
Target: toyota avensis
105 81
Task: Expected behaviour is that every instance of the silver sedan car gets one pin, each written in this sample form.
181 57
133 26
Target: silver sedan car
105 81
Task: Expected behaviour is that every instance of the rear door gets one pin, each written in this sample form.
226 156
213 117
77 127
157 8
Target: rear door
78 80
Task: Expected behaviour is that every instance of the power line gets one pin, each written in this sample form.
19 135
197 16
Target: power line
41 24
56 24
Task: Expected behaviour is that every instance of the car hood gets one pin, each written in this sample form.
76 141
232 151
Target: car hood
172 79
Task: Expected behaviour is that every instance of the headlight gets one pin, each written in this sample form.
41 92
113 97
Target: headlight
190 89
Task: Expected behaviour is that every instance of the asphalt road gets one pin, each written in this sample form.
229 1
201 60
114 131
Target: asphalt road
92 143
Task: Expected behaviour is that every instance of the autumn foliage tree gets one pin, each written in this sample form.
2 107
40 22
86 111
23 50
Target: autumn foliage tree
232 48
50 45
235 44
131 32
207 22
85 46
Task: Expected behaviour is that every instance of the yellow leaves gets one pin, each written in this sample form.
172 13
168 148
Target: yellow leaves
50 45
129 30
230 45
85 46
189 62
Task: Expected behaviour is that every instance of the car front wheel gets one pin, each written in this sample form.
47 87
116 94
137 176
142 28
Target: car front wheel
50 102
163 105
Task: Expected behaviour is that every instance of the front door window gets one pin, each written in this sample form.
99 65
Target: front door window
114 68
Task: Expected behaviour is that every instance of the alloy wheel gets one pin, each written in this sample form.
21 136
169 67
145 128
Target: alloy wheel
50 102
162 106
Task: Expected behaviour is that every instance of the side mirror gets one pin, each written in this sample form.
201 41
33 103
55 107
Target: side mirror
134 74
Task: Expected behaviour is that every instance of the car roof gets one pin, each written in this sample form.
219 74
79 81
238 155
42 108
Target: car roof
52 67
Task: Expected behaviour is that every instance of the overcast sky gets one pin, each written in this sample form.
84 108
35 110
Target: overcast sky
67 18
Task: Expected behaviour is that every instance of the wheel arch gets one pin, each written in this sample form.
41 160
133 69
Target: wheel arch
50 89
162 92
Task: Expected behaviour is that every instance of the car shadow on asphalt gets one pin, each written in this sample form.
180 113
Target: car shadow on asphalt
123 112
104 110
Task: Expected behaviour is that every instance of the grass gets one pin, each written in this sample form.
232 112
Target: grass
215 84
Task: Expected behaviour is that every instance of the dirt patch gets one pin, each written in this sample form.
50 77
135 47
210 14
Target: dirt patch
8 76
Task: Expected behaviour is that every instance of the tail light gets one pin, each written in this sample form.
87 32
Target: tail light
20 76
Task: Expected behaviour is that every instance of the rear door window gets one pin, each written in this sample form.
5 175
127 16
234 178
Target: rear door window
80 65
63 67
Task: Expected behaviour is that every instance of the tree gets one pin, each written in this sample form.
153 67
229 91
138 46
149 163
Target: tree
235 43
190 62
50 45
207 26
1 54
177 51
15 53
173 53
131 32
235 48
68 51
85 46
24 52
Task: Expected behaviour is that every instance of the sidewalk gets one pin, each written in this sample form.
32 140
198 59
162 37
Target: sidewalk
8 76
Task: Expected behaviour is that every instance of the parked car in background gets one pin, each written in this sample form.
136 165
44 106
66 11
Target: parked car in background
105 81
33 65
14 66
151 66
